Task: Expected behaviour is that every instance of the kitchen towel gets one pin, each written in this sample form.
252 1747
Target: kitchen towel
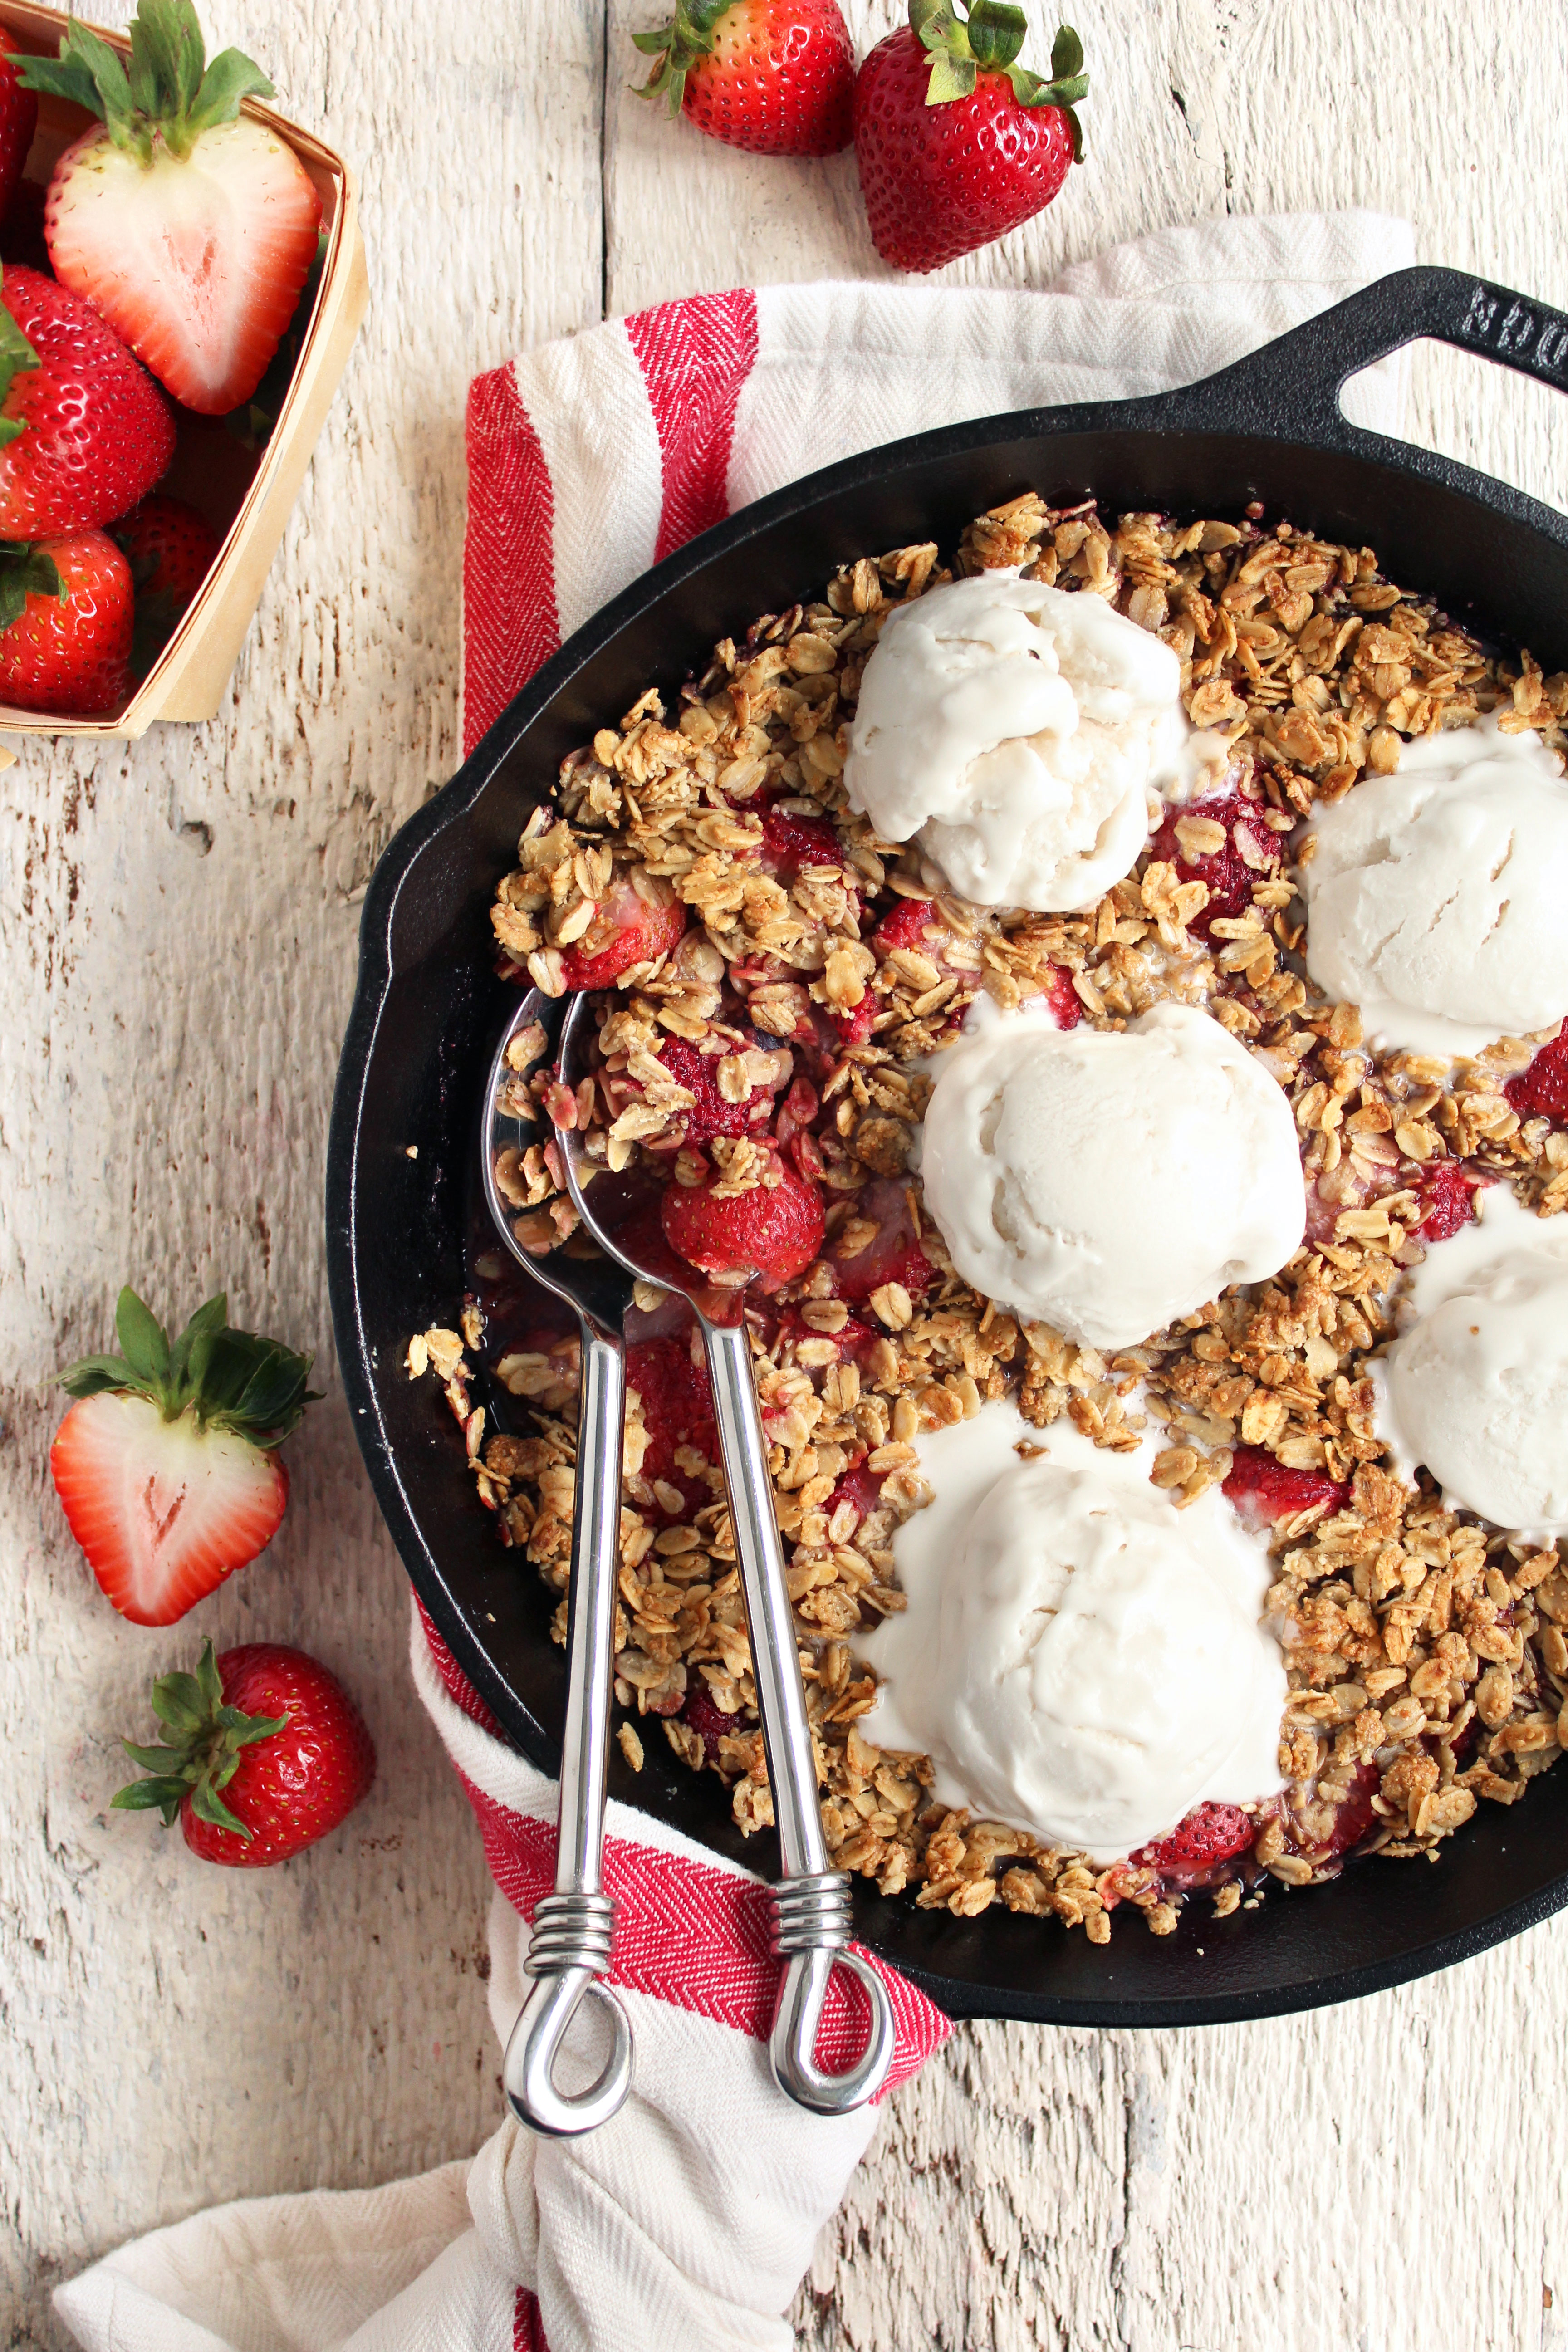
684 2225
591 458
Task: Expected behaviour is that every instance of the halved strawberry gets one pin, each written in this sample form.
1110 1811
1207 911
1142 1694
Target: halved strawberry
66 621
166 1465
270 1726
84 432
626 931
189 227
773 1231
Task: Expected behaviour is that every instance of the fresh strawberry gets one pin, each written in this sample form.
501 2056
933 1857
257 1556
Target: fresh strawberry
1209 1835
1542 1089
171 549
774 76
267 1753
84 432
189 227
626 931
774 1230
1447 1192
1265 1492
167 1465
957 143
18 121
1227 873
66 620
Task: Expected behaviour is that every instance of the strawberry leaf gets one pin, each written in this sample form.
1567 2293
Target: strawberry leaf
26 572
207 1737
997 32
950 78
1066 56
17 356
230 77
144 1342
90 73
167 94
167 55
208 1318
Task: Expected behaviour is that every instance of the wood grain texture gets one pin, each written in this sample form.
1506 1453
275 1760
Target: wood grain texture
177 927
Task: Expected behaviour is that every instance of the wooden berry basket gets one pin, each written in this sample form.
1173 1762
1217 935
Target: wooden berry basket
245 495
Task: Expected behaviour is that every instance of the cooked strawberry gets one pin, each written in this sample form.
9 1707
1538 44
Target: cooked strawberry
712 1113
855 1026
65 622
790 842
773 77
1209 1835
84 432
708 1720
956 143
18 121
917 925
189 227
908 924
266 1753
1447 1195
678 1412
1265 1491
1354 1816
893 1253
1228 872
774 1230
166 1465
859 1487
626 931
1542 1091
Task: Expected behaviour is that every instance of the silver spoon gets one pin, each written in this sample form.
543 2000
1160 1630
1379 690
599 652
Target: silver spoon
573 1928
812 1921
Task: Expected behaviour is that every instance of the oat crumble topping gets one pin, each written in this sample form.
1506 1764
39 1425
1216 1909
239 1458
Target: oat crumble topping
1428 1652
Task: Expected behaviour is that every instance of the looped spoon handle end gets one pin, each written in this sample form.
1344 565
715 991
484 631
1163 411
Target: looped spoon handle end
812 1927
528 2069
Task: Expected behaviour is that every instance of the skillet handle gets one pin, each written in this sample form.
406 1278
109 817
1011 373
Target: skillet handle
1290 389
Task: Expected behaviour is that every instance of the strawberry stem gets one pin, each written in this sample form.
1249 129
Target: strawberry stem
986 39
231 1379
26 572
677 45
203 1754
170 94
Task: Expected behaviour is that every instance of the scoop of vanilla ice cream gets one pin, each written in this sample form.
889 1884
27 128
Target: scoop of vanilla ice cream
1016 731
1106 1181
1477 1386
1434 896
1077 1656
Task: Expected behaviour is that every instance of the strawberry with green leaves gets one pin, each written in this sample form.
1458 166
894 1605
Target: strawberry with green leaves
264 1753
167 1464
956 142
67 615
188 226
772 76
84 432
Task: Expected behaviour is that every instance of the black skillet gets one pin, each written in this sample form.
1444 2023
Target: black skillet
427 1008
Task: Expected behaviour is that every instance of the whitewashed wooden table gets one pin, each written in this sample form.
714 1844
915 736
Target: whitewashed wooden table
177 940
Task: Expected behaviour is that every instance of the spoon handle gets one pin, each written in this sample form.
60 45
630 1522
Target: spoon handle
570 1945
812 1918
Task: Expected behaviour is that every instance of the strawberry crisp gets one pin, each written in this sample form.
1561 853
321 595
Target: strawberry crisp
778 982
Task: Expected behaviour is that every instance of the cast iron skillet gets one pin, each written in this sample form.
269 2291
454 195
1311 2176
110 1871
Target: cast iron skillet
427 1007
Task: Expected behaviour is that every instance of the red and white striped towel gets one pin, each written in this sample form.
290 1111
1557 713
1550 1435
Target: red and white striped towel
591 458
